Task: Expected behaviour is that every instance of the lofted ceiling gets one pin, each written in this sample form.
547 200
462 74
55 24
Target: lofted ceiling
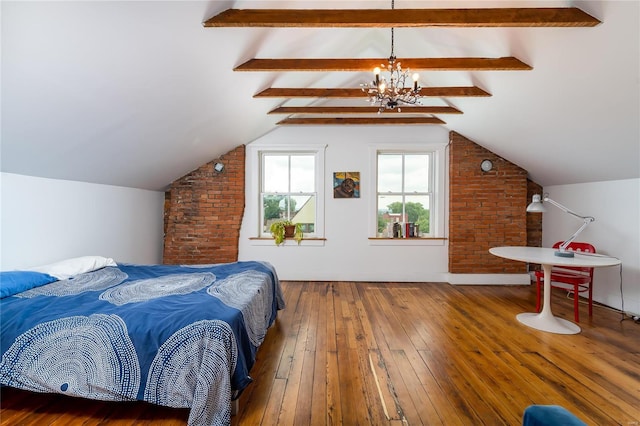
139 93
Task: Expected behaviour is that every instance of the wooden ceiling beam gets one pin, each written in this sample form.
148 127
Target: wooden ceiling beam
360 121
356 92
367 64
417 109
386 18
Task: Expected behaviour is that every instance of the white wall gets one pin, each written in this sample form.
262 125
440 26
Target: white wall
347 253
615 232
46 220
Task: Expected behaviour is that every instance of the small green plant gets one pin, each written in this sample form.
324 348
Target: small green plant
279 234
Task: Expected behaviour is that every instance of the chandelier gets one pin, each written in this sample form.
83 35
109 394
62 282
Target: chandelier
395 90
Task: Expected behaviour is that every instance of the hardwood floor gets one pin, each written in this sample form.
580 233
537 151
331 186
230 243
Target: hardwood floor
405 353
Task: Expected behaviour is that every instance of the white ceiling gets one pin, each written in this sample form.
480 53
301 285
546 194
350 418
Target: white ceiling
139 93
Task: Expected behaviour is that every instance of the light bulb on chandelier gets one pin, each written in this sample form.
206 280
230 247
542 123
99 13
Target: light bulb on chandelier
397 90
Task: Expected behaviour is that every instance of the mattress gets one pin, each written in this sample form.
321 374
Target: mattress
178 336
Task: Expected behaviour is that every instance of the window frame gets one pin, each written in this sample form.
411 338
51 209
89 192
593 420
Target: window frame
262 193
437 219
256 154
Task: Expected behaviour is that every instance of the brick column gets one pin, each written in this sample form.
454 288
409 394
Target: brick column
486 209
203 213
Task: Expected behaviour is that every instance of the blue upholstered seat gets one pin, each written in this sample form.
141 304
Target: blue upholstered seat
549 415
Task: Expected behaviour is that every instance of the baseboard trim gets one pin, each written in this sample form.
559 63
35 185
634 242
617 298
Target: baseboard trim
489 279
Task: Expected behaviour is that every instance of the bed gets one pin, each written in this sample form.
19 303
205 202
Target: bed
178 336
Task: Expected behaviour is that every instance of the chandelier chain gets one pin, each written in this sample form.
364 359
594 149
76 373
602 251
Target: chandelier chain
392 32
392 53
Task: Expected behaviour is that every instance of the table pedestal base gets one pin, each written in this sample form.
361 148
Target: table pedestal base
546 322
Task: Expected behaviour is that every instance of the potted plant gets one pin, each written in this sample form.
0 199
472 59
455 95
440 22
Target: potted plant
283 229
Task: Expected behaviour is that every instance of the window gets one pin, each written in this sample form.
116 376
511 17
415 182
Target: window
289 185
405 194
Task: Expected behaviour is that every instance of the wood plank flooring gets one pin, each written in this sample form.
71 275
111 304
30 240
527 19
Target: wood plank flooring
405 354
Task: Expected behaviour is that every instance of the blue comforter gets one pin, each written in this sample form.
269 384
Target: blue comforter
179 336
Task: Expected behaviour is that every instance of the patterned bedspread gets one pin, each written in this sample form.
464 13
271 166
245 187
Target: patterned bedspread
178 336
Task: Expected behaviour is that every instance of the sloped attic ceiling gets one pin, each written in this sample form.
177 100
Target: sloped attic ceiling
139 93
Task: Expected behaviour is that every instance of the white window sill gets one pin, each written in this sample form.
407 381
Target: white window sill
374 241
287 243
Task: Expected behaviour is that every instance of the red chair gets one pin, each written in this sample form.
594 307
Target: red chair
564 277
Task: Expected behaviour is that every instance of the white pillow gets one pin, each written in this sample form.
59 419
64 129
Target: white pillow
68 268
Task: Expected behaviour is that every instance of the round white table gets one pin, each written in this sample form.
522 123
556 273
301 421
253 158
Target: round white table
545 320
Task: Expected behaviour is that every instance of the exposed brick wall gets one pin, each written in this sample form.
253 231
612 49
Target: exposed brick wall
485 209
203 213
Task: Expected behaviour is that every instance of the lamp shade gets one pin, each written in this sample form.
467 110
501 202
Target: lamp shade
536 205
